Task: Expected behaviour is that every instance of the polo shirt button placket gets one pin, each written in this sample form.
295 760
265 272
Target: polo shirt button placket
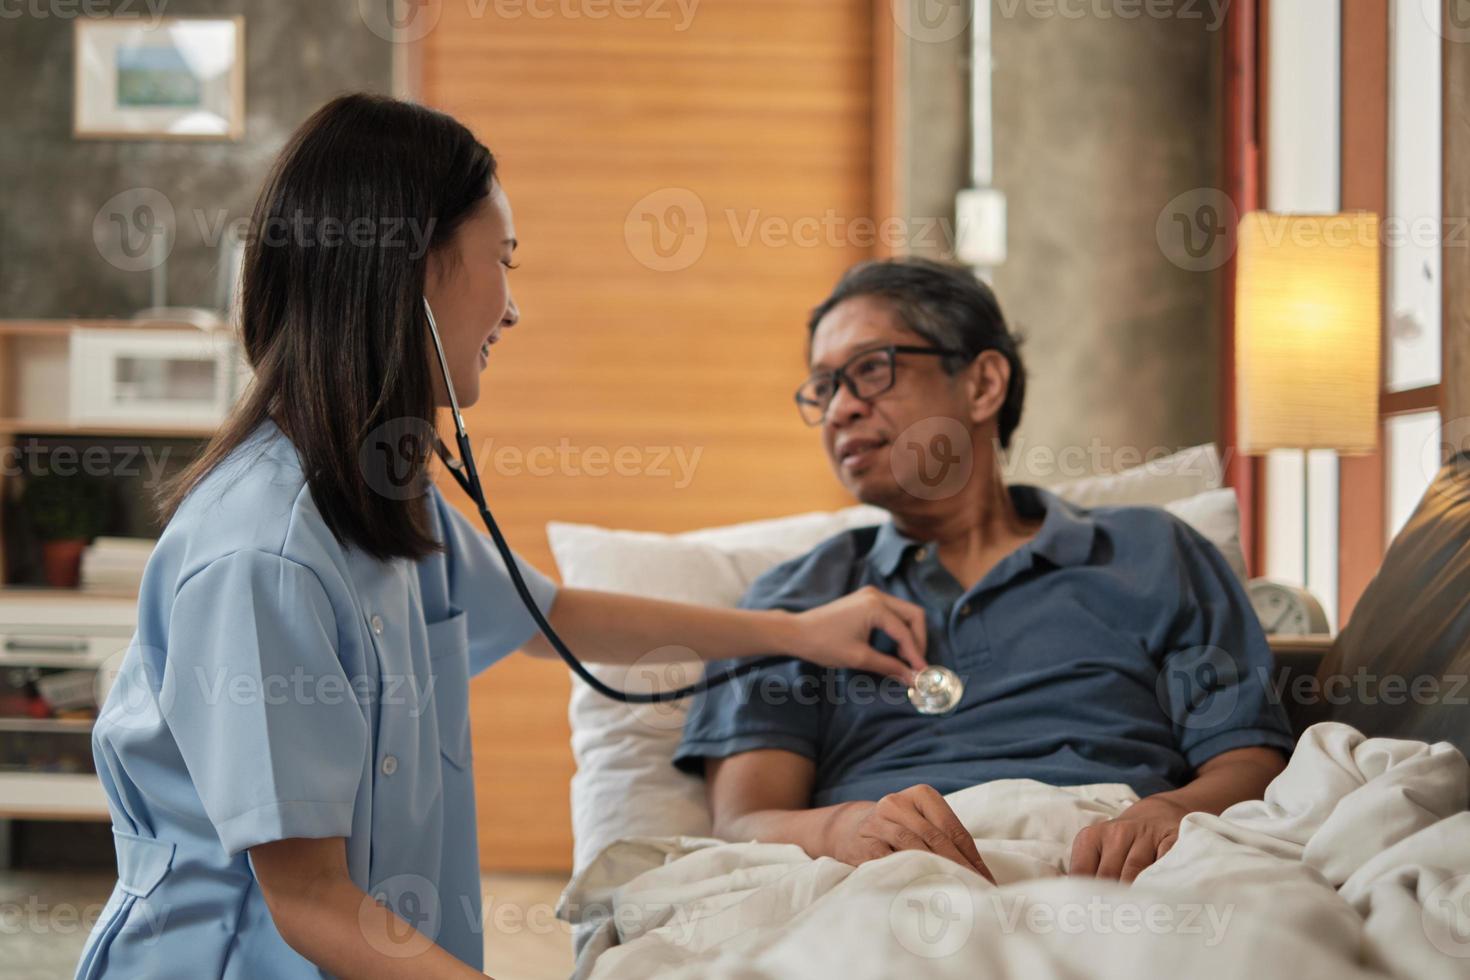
968 641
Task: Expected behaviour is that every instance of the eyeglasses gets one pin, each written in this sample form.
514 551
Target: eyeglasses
866 375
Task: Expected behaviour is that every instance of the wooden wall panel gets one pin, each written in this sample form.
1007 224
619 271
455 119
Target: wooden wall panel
762 111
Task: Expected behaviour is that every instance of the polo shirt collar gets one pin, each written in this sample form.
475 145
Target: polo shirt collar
1065 538
1067 531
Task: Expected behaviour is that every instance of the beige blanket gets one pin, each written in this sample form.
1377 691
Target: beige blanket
1357 864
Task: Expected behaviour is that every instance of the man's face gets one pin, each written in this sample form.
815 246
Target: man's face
860 436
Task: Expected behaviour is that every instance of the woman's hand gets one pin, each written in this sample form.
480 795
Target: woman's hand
607 627
836 635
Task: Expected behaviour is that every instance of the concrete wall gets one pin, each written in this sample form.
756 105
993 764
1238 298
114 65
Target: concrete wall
1100 123
298 54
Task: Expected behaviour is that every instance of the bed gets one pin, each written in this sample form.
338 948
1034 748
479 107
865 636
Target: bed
1357 863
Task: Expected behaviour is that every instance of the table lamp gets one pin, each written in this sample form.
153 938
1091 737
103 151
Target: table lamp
1308 336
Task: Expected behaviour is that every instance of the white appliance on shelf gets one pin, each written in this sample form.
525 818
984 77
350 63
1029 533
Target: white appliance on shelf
42 629
143 376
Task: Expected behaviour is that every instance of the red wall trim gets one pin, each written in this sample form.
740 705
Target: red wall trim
1244 82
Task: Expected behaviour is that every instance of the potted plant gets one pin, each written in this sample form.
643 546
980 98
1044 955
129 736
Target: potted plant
66 513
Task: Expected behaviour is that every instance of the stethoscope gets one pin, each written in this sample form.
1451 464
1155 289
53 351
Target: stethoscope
936 690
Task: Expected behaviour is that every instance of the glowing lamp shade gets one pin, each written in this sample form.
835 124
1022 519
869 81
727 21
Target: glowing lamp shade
1308 316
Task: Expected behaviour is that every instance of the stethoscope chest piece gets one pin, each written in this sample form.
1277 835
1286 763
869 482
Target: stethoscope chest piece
936 691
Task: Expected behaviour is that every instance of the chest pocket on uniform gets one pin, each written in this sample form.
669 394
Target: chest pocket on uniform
449 664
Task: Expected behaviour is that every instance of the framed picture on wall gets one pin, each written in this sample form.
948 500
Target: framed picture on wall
170 78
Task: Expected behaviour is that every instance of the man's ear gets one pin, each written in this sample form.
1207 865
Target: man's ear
990 377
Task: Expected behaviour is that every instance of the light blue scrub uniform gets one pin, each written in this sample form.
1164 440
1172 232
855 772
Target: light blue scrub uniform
280 685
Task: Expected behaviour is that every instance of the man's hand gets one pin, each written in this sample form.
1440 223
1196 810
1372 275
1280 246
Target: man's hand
916 819
1122 847
1143 833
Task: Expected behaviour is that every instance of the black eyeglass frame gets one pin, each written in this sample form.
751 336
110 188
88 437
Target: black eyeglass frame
840 376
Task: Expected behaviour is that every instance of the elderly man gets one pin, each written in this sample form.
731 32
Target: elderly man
1104 646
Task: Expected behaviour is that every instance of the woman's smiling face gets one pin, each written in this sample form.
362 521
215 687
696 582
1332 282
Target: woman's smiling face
468 288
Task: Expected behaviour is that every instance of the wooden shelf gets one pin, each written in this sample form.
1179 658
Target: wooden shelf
52 328
52 796
89 627
59 661
47 593
56 427
1311 643
47 726
64 628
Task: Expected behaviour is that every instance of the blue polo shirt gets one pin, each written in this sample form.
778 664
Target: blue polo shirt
1115 646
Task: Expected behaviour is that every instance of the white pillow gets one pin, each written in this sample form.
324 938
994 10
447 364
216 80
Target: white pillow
1153 484
625 784
1216 515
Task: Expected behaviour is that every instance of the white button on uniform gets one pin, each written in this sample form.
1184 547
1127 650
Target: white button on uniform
377 624
390 765
921 554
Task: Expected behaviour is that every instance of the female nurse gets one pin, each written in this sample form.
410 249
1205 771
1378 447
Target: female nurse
286 749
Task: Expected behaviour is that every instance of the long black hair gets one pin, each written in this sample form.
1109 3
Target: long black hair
331 314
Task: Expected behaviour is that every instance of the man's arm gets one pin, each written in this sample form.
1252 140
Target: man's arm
1122 847
765 795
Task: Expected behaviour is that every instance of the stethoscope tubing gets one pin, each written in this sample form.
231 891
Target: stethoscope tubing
467 475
